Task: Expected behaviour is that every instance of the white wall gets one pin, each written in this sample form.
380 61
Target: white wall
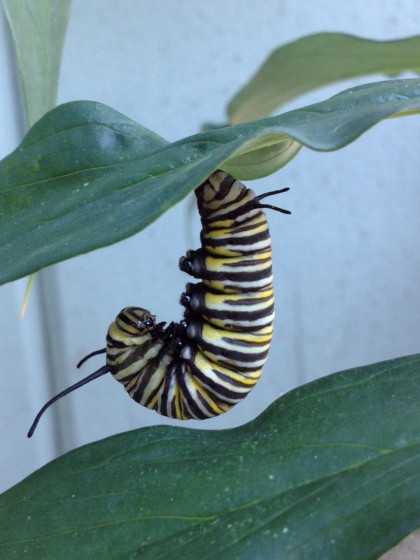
347 261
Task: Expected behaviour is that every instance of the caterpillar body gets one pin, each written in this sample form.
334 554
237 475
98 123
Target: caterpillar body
203 365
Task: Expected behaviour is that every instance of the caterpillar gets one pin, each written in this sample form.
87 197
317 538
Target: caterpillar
203 365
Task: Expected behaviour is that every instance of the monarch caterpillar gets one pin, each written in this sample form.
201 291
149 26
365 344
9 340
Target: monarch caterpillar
209 361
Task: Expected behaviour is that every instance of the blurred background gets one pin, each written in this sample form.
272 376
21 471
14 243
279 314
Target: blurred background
346 263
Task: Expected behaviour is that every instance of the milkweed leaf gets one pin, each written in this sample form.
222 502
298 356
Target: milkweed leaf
318 60
86 176
330 470
38 29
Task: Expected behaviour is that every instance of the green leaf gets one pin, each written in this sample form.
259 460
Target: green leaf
331 470
315 61
38 29
85 176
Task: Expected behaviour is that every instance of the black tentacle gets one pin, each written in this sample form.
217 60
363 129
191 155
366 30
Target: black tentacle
101 371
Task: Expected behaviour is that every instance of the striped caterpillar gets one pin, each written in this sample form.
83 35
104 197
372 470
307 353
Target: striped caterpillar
203 365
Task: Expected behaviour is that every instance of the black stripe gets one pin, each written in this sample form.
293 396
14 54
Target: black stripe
239 276
219 389
238 316
238 262
189 402
145 376
249 241
242 204
228 357
247 300
162 404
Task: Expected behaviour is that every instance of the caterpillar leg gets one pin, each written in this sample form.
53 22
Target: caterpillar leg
193 263
249 311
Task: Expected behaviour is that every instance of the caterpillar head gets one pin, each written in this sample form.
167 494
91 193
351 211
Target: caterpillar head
132 324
